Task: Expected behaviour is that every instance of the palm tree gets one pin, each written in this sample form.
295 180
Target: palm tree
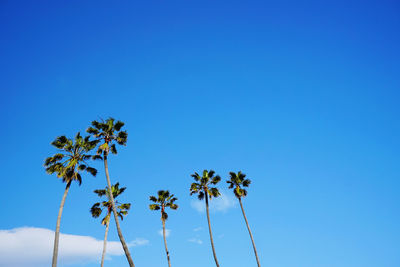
109 132
236 182
67 164
164 200
203 190
98 208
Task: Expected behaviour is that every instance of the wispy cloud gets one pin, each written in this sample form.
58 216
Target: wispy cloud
196 240
30 246
198 229
167 232
137 242
221 203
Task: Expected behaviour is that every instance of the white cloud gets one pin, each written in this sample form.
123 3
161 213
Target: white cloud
137 242
30 246
221 203
167 232
198 229
196 240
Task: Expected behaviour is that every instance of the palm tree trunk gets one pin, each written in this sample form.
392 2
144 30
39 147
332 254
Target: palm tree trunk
209 229
251 236
105 242
121 238
57 233
165 242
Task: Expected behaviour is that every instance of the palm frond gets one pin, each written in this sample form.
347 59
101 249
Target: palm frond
97 157
211 173
106 219
60 142
214 192
82 167
78 178
244 192
215 180
95 210
200 196
91 170
113 149
100 192
118 125
122 138
53 159
194 188
173 206
246 182
164 216
92 131
55 168
125 207
154 206
96 125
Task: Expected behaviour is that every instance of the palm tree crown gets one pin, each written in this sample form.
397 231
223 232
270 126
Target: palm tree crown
237 180
71 158
108 131
203 183
122 208
162 201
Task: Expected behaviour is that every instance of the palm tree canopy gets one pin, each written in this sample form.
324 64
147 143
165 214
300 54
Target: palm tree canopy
71 158
203 183
108 131
237 181
163 200
97 208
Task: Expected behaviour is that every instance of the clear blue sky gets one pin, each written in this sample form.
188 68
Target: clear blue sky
302 96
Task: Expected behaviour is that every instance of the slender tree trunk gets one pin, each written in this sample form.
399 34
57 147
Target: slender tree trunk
121 238
251 236
165 242
105 242
209 229
57 233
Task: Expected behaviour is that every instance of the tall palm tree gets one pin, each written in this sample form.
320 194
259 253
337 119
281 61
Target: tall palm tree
67 164
108 132
202 187
98 208
164 200
237 181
